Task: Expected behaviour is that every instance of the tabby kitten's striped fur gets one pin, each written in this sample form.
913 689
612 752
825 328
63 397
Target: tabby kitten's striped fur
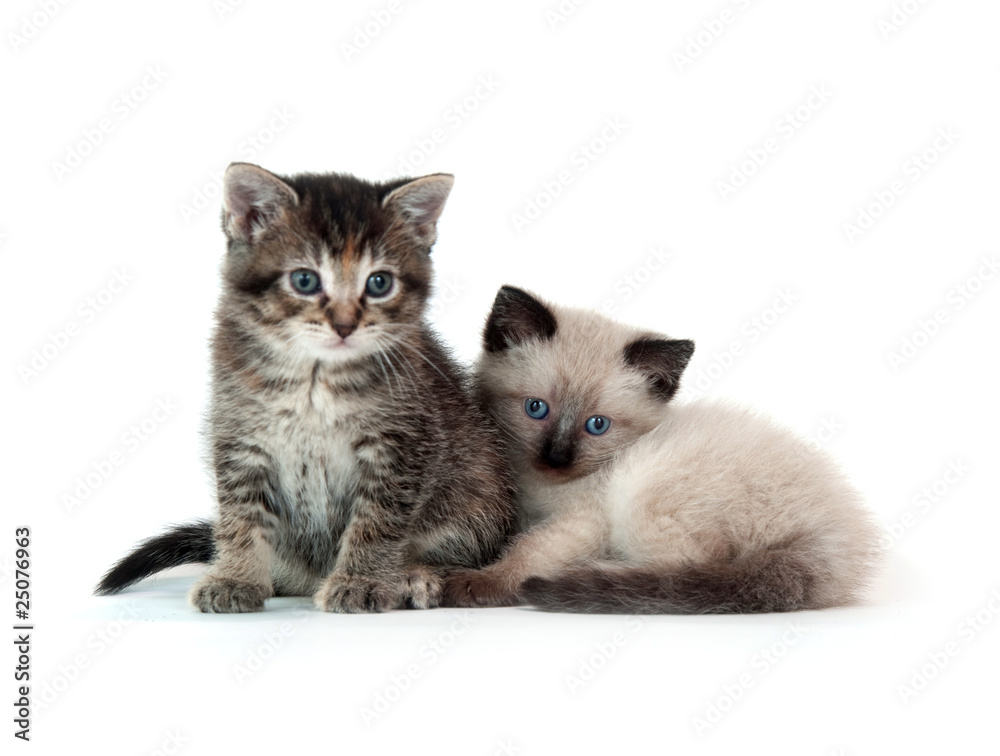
350 461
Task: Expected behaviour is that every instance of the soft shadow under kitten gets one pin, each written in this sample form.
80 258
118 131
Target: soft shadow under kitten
350 460
633 504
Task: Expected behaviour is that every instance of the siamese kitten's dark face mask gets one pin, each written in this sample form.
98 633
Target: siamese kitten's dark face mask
571 388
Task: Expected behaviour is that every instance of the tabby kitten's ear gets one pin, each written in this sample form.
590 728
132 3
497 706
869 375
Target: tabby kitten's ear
254 199
661 361
419 203
516 317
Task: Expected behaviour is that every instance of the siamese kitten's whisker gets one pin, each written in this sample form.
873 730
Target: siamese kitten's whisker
517 442
504 431
635 505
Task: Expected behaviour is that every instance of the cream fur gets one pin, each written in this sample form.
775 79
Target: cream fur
669 486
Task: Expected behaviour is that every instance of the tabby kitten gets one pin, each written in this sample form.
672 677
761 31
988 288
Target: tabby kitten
633 504
350 460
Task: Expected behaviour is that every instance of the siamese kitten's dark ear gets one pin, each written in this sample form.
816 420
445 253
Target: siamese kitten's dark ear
516 317
419 204
662 361
253 200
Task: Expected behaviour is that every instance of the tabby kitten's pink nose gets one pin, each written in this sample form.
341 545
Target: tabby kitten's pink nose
344 329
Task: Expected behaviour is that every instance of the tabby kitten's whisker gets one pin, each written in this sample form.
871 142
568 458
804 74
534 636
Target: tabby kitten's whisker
329 484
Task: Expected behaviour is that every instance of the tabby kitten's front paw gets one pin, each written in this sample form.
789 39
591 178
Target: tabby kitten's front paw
218 595
421 588
355 594
468 588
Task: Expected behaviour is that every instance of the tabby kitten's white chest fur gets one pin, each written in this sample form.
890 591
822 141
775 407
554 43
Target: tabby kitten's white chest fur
631 503
351 461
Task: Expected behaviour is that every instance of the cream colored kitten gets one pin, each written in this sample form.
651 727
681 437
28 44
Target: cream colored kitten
632 504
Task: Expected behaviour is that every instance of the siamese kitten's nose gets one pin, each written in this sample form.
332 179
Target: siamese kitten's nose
344 329
557 456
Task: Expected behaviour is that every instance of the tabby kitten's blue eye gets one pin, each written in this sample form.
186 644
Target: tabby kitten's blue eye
379 284
305 281
536 408
597 425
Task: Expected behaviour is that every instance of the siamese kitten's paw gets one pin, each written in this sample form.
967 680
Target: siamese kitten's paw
421 588
218 595
356 594
478 588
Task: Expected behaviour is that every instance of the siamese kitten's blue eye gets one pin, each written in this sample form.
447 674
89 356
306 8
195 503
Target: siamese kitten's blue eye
379 284
597 425
536 408
305 281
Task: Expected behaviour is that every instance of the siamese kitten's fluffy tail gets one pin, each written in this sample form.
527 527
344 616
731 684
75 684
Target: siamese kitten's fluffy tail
768 581
182 544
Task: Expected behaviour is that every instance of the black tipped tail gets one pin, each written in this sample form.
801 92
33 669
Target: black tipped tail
772 581
182 544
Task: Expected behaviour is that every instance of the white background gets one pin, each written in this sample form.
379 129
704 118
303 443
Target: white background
141 672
